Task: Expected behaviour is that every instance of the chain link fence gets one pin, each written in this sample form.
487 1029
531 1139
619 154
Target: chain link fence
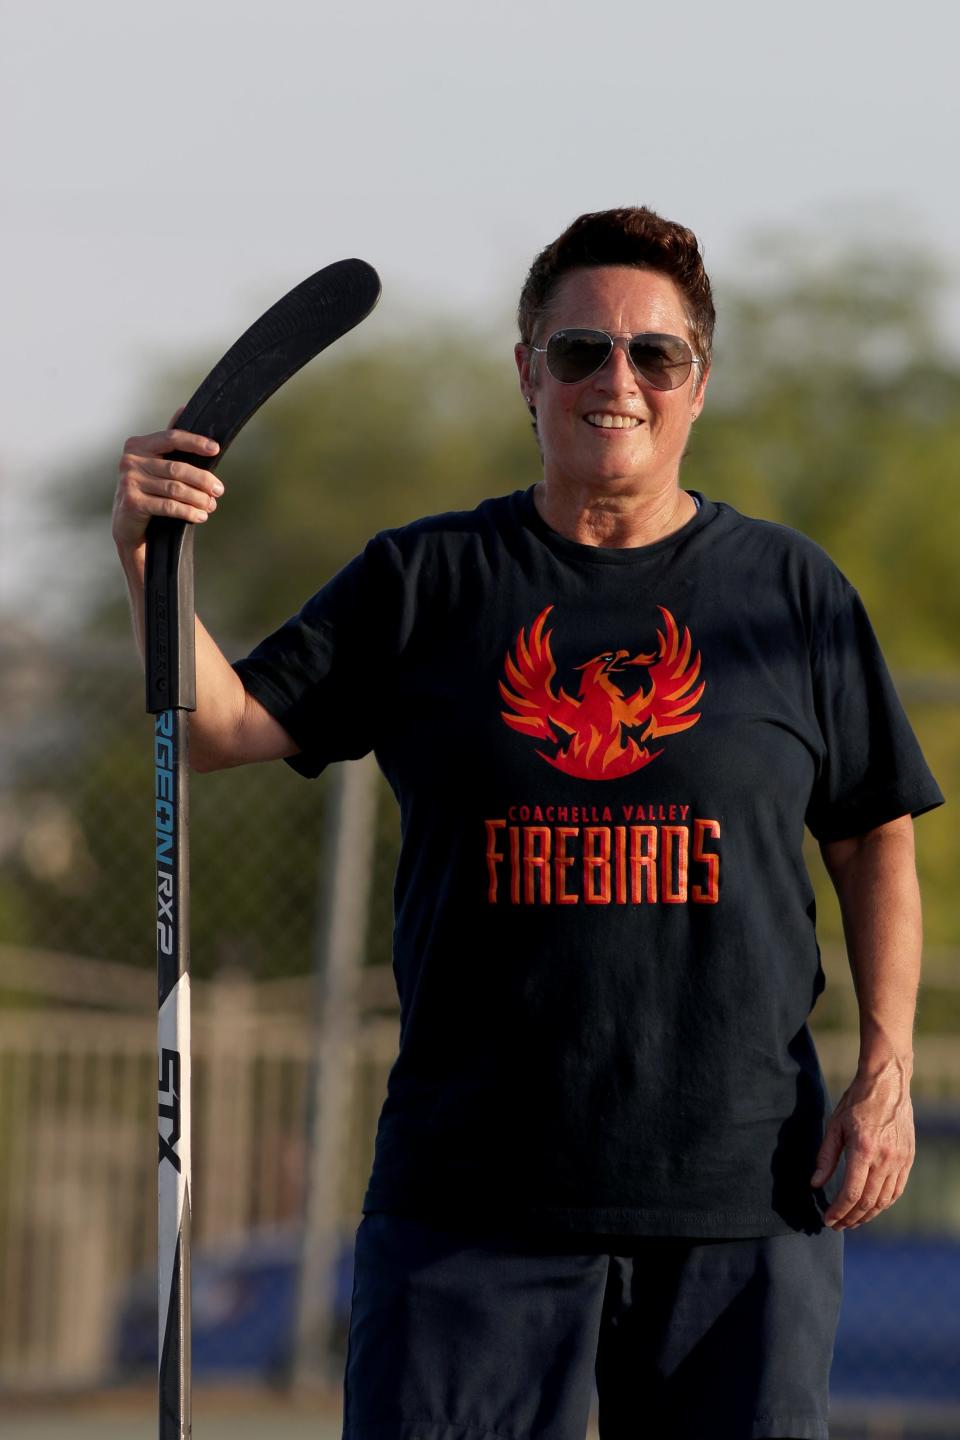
77 1063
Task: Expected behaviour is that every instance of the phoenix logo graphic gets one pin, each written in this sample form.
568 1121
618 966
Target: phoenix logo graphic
594 740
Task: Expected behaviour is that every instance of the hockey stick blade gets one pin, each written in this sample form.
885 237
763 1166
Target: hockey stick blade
310 317
305 321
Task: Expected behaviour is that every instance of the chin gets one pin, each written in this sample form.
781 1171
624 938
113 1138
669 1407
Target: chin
620 470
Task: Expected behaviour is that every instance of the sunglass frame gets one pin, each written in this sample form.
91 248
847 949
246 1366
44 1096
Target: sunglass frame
649 336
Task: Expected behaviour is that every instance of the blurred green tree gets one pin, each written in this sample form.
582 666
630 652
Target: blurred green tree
835 408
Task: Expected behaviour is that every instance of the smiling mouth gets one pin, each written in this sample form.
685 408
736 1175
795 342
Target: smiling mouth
602 420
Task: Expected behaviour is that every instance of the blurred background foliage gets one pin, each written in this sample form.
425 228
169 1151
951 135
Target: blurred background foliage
834 407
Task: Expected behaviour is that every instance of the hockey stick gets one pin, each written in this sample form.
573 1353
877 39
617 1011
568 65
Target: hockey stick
307 320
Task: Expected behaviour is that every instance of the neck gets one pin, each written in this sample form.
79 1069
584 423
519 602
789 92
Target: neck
619 521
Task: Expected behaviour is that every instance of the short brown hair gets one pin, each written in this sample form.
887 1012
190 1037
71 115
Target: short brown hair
632 236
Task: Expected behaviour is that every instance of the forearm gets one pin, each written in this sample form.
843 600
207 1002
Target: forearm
220 695
876 881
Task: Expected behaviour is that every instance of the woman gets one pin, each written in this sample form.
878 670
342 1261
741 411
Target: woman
607 707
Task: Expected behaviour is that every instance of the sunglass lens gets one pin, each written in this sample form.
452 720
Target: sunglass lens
664 360
574 354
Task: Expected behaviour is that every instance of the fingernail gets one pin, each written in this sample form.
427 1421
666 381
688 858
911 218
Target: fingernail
217 488
211 445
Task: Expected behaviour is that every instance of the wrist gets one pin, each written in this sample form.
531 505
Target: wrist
133 558
879 1056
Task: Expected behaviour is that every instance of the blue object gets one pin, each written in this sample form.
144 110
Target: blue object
898 1339
244 1308
899 1333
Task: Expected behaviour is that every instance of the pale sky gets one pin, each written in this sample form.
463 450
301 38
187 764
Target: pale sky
170 169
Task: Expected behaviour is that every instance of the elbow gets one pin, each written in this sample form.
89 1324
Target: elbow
204 757
215 739
201 763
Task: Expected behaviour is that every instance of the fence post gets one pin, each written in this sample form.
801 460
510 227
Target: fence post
346 867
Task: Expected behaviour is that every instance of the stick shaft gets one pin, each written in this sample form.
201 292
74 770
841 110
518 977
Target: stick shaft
171 738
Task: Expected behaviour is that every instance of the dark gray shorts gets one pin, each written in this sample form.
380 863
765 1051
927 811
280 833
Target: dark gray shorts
454 1338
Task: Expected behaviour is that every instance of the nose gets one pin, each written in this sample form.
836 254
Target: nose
617 372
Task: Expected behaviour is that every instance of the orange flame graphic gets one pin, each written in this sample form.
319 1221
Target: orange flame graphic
595 721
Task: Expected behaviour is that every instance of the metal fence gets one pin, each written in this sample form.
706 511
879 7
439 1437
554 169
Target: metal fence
78 1144
77 1138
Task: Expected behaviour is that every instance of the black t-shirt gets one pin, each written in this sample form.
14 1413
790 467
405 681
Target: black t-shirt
604 943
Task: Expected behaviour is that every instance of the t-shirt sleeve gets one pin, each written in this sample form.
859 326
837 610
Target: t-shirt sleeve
319 674
872 769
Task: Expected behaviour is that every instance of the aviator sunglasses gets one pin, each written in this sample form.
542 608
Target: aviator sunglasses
664 361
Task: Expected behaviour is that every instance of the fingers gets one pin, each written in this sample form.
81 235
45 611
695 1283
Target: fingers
162 442
890 1192
176 478
884 1199
150 485
864 1204
179 486
866 1194
140 497
841 1211
827 1157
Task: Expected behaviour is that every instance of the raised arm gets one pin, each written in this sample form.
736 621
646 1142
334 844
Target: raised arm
875 878
228 727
